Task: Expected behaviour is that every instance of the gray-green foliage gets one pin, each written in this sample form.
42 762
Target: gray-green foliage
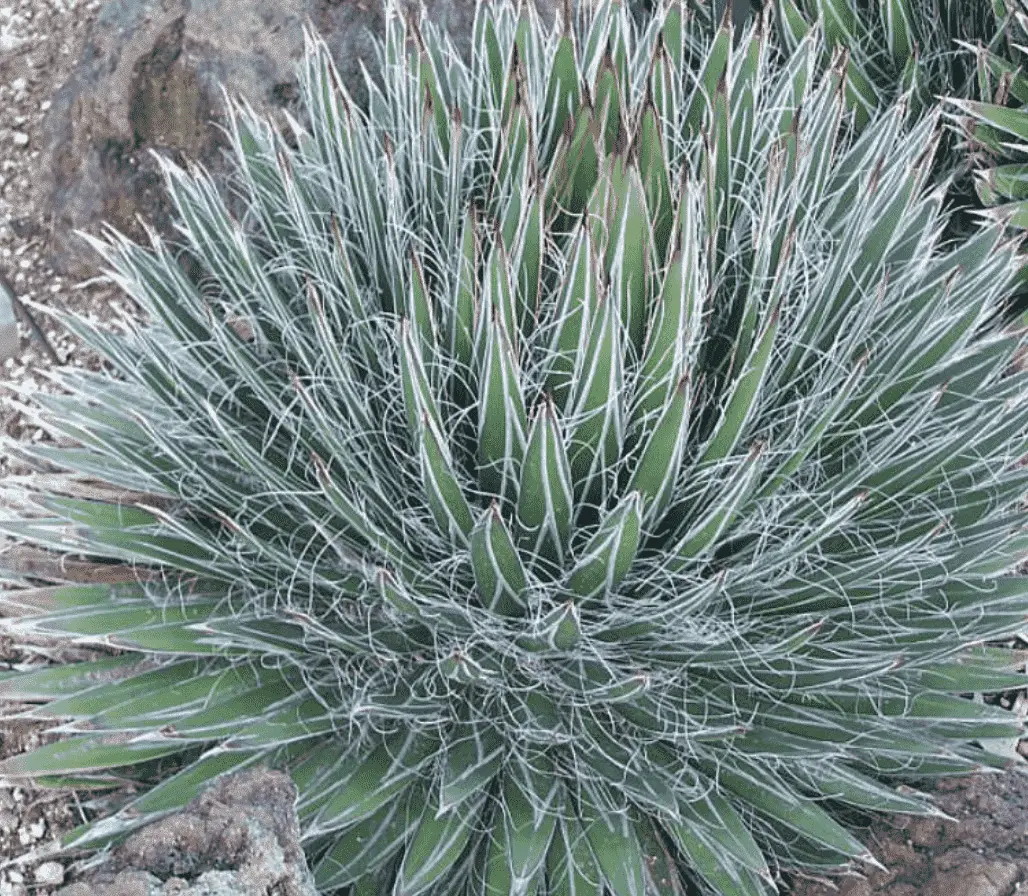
620 474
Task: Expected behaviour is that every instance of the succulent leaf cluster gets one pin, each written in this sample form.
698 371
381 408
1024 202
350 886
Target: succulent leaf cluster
587 470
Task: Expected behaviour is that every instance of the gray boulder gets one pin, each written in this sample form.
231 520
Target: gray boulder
238 838
148 79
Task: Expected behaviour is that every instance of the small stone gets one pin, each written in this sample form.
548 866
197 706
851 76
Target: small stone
16 876
18 85
43 106
20 138
49 874
38 828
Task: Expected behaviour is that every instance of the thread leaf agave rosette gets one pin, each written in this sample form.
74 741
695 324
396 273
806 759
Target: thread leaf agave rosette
615 476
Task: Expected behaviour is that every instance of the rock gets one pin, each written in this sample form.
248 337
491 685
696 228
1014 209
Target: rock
49 874
981 850
238 838
148 79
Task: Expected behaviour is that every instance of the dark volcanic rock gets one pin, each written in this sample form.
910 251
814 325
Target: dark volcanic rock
148 79
239 838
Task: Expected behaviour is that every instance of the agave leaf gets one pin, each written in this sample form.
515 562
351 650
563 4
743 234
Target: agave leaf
499 573
522 833
545 499
436 844
714 866
420 312
676 328
636 776
630 254
560 629
612 841
445 495
88 752
660 867
563 95
368 782
53 682
474 754
574 310
608 104
366 846
709 528
610 553
744 394
150 694
461 321
655 471
712 73
767 794
570 867
530 266
655 180
501 414
596 403
840 783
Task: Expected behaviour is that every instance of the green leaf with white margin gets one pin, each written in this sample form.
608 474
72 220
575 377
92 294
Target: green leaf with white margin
570 867
165 693
417 392
560 629
72 679
523 827
661 866
609 555
499 574
657 468
765 792
725 830
461 322
713 72
899 29
607 105
631 261
706 532
597 404
612 841
745 392
676 328
545 498
636 775
576 300
502 421
98 751
837 782
446 498
814 432
436 844
366 846
472 757
364 785
419 311
530 265
563 94
654 173
715 867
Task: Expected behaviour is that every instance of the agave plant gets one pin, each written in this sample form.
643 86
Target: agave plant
895 47
996 126
587 472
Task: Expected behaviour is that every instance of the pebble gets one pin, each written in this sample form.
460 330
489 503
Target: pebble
20 138
16 876
49 874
